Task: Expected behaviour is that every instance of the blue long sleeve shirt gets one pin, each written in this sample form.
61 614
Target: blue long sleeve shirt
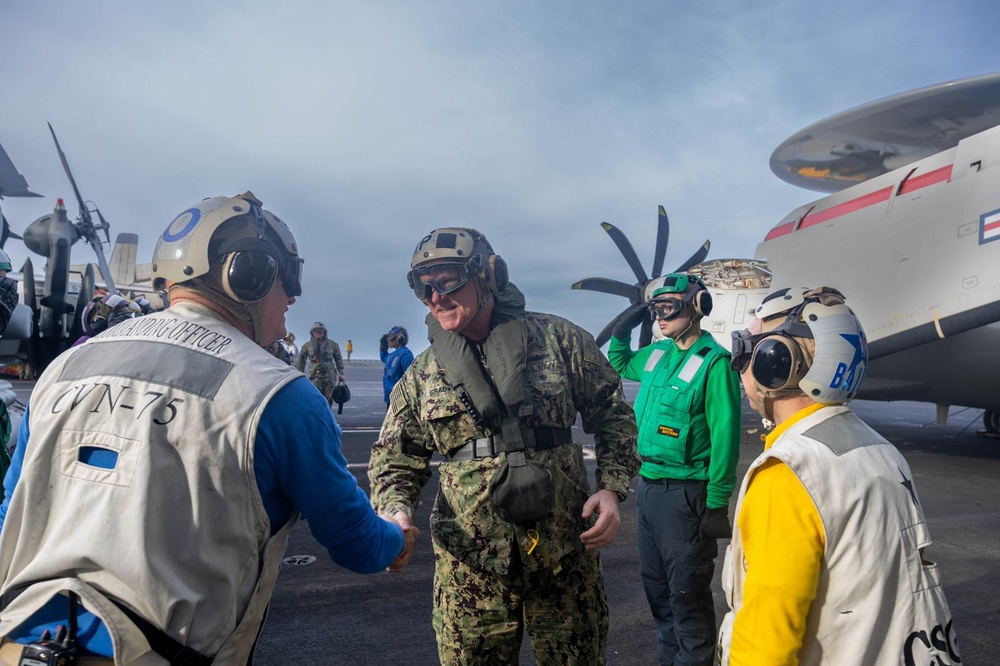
299 466
396 364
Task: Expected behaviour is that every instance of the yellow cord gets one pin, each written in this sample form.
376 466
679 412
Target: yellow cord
533 535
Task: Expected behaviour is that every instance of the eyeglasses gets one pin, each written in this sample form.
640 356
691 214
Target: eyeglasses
442 278
666 308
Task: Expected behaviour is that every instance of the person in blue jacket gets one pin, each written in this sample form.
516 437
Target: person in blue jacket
397 360
161 466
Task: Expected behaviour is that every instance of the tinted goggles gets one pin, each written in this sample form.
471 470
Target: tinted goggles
442 278
252 274
666 308
742 350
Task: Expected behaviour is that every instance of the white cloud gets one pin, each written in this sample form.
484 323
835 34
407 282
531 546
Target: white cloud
364 125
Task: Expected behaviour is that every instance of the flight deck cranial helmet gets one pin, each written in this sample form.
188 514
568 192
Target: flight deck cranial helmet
230 250
810 343
398 335
680 291
446 258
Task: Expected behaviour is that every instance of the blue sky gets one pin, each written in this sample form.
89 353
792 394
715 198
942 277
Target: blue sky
365 125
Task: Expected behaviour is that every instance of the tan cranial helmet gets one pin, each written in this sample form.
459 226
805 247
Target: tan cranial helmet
810 343
230 250
466 249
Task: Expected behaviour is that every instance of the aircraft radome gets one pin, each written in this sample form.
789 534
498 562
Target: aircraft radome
47 320
908 236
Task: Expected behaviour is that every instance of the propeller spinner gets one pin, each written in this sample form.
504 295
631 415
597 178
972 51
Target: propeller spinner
636 292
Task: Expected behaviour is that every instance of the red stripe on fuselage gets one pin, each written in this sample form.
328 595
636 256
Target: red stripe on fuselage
937 176
878 196
780 230
992 225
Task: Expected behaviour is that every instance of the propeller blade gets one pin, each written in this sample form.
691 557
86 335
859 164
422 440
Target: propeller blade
625 247
606 332
104 225
608 286
645 333
6 233
662 237
695 258
84 213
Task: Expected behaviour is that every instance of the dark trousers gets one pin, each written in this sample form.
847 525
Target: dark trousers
677 565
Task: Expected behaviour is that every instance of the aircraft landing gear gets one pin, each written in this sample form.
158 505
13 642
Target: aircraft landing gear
991 420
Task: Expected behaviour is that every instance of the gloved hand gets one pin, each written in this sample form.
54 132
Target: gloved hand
383 343
629 319
715 524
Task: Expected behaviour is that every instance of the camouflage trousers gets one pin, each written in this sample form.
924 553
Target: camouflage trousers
480 617
325 383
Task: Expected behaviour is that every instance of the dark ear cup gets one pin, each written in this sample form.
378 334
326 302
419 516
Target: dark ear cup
777 362
498 274
702 303
248 275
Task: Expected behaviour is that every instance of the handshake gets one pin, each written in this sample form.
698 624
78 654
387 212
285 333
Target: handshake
410 534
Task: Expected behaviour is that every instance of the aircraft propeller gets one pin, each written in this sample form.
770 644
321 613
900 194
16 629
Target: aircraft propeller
85 227
7 232
636 292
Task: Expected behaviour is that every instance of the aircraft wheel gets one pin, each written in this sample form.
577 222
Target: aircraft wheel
991 419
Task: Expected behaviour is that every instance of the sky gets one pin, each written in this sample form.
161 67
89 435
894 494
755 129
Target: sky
364 125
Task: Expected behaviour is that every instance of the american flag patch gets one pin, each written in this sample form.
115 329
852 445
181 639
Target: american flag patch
989 227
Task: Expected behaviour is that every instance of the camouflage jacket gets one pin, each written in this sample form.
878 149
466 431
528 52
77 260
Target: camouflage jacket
324 357
8 301
567 375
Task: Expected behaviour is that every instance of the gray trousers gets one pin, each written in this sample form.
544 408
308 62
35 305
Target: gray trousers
677 565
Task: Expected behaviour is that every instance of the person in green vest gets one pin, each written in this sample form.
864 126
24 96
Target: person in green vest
688 413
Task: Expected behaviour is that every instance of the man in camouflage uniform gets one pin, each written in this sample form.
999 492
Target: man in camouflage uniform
8 292
496 375
321 357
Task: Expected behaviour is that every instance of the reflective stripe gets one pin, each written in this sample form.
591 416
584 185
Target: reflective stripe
155 362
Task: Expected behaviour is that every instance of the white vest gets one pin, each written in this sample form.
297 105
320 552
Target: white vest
878 601
177 529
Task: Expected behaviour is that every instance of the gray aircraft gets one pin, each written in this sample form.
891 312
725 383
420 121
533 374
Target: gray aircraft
48 320
907 235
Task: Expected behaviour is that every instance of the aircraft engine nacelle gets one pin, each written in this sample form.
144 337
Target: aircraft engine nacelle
41 234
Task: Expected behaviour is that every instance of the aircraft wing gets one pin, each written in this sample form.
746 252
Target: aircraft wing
12 184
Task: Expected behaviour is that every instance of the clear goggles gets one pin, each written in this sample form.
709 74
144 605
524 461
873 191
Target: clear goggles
666 308
442 278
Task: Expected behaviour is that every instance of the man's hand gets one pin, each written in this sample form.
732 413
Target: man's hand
340 377
605 503
631 318
410 534
383 343
715 524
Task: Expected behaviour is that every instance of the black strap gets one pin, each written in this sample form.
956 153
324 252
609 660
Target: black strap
162 644
535 438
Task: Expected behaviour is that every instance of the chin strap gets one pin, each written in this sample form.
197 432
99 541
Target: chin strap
484 296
